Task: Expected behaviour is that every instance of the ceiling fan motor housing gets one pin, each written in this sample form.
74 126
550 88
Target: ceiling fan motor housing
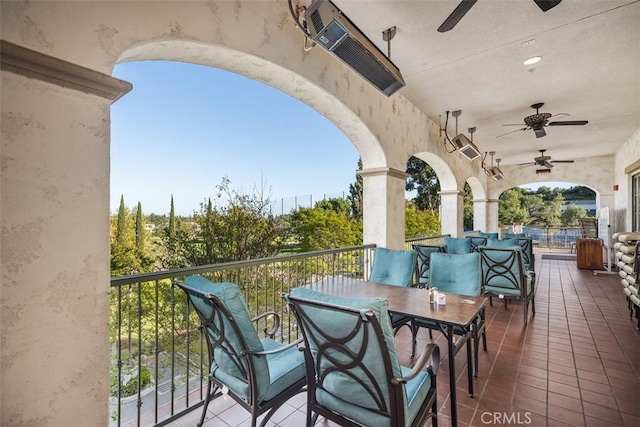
537 120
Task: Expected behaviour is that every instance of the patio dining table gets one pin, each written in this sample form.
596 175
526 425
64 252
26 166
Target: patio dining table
459 313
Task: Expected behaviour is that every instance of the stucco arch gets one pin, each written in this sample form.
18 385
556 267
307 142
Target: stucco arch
592 172
267 72
477 188
445 174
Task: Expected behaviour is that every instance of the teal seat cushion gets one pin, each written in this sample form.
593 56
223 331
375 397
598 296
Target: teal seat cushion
456 245
456 273
225 367
393 267
285 367
416 390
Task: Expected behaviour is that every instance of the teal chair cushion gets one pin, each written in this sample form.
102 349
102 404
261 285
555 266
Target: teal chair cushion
393 267
509 281
379 306
457 245
345 395
456 273
488 235
505 243
512 235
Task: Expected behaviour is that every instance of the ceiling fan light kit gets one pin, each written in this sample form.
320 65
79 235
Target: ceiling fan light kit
538 121
544 162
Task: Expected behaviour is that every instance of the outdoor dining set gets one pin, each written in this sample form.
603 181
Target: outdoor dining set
346 359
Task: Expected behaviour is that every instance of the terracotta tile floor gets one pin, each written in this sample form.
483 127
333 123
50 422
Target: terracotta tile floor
577 363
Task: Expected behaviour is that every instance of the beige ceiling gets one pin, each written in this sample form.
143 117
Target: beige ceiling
590 69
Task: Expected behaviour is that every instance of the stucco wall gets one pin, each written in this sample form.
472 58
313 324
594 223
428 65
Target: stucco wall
627 155
54 212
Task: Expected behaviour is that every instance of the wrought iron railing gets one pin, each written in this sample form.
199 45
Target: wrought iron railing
553 237
430 240
159 361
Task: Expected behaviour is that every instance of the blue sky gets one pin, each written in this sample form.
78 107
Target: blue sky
184 127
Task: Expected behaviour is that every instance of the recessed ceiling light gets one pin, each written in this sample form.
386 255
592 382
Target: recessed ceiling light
532 60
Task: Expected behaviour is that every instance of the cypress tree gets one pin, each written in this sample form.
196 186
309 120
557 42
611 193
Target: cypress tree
172 222
355 194
121 229
139 229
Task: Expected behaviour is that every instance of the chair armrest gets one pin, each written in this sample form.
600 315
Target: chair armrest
431 351
274 351
276 326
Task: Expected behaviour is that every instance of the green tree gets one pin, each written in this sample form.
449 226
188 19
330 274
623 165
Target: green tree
550 211
122 228
510 207
467 219
572 214
335 204
240 228
318 228
172 221
424 181
420 223
355 194
140 232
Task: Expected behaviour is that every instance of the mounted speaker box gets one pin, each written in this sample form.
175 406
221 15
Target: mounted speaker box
336 33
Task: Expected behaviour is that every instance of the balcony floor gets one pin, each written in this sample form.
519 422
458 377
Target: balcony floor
577 363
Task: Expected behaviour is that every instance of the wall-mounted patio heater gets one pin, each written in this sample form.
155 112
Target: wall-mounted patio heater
466 147
335 32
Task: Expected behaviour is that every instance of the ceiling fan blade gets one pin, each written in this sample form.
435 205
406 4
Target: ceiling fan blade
545 5
517 130
540 132
562 161
456 15
560 114
527 164
547 164
569 123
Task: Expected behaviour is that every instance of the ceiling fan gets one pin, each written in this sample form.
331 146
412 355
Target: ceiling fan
544 161
539 121
465 5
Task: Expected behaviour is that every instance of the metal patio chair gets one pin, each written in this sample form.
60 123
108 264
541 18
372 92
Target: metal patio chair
260 374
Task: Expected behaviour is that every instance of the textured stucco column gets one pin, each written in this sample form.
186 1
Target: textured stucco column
492 216
480 215
54 208
384 207
452 212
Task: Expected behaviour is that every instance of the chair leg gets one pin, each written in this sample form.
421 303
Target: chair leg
526 311
206 401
